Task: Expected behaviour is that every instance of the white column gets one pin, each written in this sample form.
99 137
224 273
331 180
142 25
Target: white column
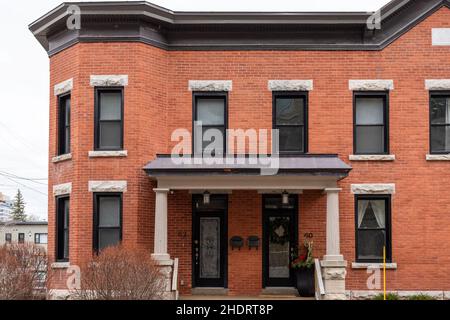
160 252
333 240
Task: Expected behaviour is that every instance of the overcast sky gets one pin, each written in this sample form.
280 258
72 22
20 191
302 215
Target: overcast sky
24 84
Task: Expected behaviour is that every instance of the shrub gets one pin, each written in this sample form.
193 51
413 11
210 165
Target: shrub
118 274
389 296
421 296
22 272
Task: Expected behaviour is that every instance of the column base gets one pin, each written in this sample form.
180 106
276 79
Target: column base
334 273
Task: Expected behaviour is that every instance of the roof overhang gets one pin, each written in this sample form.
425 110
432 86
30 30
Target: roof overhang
145 22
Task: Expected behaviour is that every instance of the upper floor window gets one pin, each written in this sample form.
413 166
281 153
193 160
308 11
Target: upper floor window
109 119
210 110
40 238
373 225
62 229
440 122
107 220
290 118
64 124
371 134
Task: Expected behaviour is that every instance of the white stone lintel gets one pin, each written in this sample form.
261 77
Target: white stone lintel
363 265
107 186
375 188
108 154
438 157
63 87
62 189
291 85
372 157
210 85
371 85
437 84
62 158
109 80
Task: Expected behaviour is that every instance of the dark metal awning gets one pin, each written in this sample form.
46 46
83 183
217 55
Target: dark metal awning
304 165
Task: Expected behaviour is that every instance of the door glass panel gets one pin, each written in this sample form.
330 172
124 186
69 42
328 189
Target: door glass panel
210 247
279 247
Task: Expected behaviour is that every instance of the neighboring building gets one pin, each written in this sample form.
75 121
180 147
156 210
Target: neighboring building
24 232
364 120
5 208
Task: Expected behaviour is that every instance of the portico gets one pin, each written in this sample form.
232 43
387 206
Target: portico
295 176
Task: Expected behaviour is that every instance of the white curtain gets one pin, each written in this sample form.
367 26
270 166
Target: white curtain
362 207
378 208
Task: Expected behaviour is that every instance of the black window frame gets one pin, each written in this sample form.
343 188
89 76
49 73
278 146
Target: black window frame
434 94
293 95
37 238
96 228
62 126
209 95
60 226
98 91
374 94
8 238
388 227
21 238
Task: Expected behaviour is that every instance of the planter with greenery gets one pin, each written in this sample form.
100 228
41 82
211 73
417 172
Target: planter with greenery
304 271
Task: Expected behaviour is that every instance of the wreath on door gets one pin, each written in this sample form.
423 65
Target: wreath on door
279 231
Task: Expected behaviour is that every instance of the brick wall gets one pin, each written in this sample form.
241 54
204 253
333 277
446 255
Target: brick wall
157 101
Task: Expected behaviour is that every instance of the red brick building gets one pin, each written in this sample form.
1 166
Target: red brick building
363 113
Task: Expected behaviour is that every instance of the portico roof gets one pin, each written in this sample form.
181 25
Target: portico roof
301 165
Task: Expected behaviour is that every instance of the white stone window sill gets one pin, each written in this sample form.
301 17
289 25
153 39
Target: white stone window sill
363 265
60 265
108 154
61 158
438 157
372 157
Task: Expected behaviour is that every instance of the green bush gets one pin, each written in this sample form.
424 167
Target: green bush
389 296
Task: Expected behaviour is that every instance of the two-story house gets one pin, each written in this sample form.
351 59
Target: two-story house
348 118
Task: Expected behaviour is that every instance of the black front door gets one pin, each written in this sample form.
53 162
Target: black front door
209 241
280 227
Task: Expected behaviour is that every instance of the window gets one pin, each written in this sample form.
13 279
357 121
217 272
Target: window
290 118
64 125
109 119
373 228
211 111
440 122
8 237
107 220
21 237
371 124
40 238
62 229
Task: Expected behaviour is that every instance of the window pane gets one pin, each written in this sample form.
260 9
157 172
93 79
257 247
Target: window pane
66 244
289 111
109 211
440 138
67 141
370 139
370 244
211 111
110 106
108 238
110 135
43 238
67 112
369 111
371 214
66 214
291 139
440 110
